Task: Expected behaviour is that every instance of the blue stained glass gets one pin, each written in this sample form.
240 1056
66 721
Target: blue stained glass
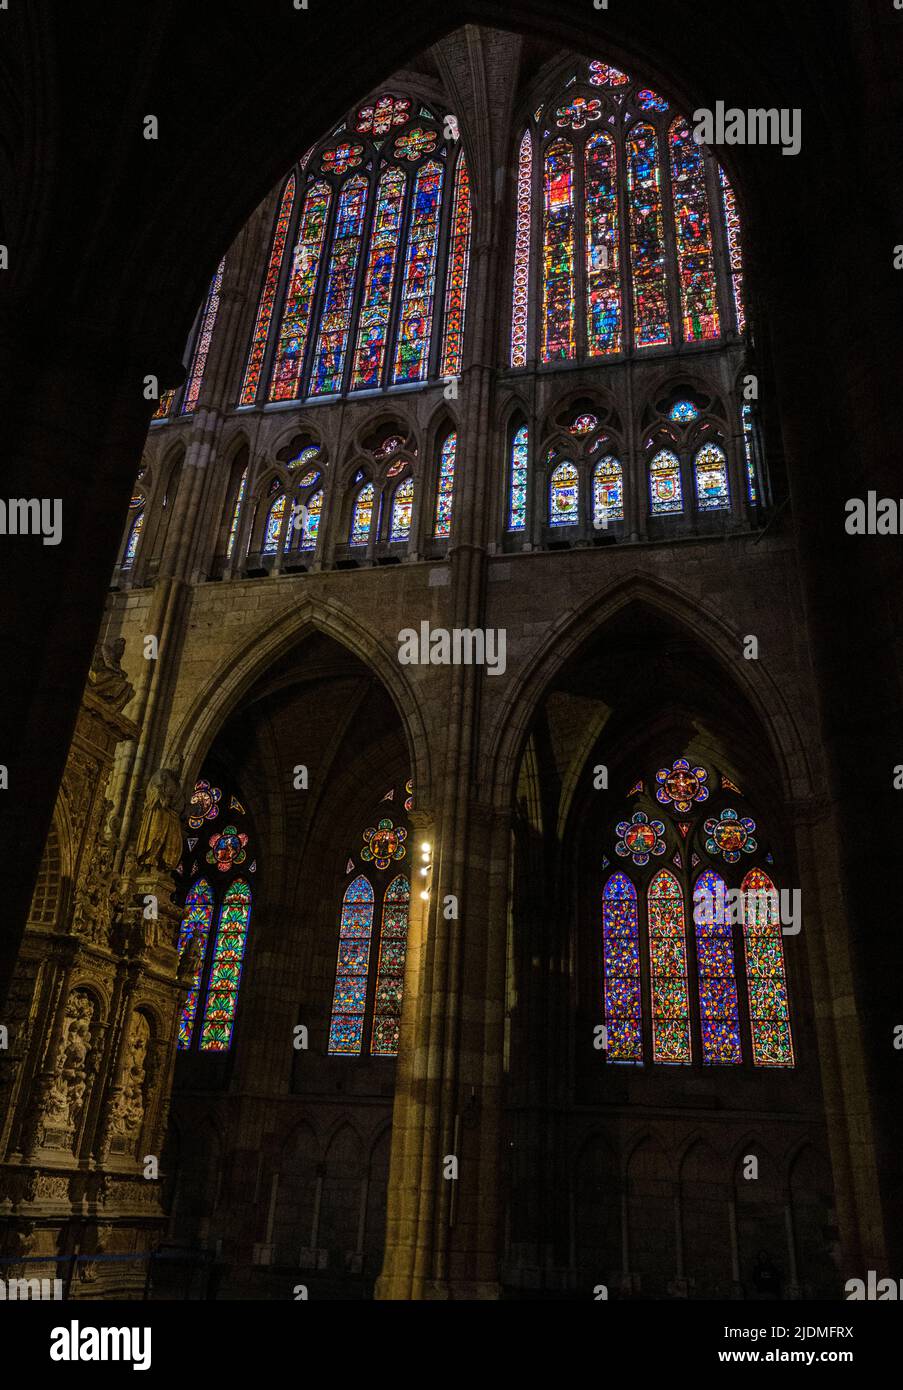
517 503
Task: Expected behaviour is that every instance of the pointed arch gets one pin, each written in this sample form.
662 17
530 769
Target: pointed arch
718 1006
558 234
608 491
412 351
350 997
273 530
621 970
225 969
402 510
251 382
521 288
652 327
445 485
766 977
564 495
458 269
393 937
518 456
295 327
665 488
693 234
236 511
311 533
328 371
196 922
710 471
202 344
602 246
362 516
379 282
131 545
668 970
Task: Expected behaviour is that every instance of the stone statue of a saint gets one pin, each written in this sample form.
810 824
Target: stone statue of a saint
159 843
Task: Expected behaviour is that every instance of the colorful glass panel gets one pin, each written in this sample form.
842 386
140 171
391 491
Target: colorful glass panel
458 267
564 496
718 1009
350 998
310 452
362 516
621 963
225 972
648 100
683 413
202 346
376 306
746 419
712 494
521 295
165 405
236 513
267 297
378 119
296 314
608 492
680 786
603 260
664 484
274 526
445 486
668 969
416 310
734 247
131 548
604 75
393 939
693 229
402 511
558 338
647 240
310 535
196 922
517 488
335 317
766 980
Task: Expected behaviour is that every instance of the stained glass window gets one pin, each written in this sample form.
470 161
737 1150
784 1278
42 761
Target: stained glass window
621 961
314 512
268 297
608 492
296 314
603 265
274 526
522 253
647 240
558 340
693 230
712 493
196 922
517 487
664 484
749 451
202 346
164 406
310 452
236 512
683 413
362 515
668 969
416 311
719 1015
445 486
376 305
734 247
131 548
335 318
564 495
769 1014
458 267
225 972
350 998
402 511
393 938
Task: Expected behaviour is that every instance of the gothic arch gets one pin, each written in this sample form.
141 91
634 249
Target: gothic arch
574 627
236 675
